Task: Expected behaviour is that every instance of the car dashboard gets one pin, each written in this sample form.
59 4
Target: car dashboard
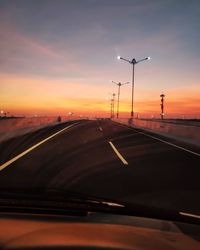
94 231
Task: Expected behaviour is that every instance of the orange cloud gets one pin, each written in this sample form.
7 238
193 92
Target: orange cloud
21 94
87 92
45 96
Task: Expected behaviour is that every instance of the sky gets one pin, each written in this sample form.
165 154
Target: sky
61 56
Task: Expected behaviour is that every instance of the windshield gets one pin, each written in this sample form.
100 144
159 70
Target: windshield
99 101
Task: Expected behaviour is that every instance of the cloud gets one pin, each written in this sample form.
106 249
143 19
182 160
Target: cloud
72 55
34 91
14 41
20 94
23 54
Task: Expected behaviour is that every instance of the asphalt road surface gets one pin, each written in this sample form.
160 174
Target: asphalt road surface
105 159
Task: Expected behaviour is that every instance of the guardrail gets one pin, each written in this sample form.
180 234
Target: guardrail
187 133
18 126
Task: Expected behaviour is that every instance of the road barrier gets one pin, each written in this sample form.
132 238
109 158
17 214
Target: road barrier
18 126
187 133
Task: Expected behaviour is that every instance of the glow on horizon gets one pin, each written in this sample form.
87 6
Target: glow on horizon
60 98
67 68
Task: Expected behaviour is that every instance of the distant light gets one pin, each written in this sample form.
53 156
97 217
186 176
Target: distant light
2 111
149 58
118 57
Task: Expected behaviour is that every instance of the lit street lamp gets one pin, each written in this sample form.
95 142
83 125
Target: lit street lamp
133 62
119 84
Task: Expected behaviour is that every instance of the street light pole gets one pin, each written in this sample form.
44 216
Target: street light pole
111 108
133 62
133 83
162 106
113 105
119 84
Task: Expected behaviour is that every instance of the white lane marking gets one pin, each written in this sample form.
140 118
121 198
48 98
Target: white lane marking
100 128
190 215
169 143
118 153
6 164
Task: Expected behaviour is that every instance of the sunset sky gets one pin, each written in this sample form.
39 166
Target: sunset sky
58 56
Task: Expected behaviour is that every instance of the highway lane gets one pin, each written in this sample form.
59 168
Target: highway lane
86 158
169 172
68 154
16 145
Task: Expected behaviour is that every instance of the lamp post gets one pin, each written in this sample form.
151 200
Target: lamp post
111 108
133 62
113 105
119 84
162 106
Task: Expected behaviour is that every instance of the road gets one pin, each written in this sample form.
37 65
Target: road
105 159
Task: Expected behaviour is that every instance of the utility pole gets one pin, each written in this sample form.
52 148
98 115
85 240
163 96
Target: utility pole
113 105
119 84
111 112
133 62
162 106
